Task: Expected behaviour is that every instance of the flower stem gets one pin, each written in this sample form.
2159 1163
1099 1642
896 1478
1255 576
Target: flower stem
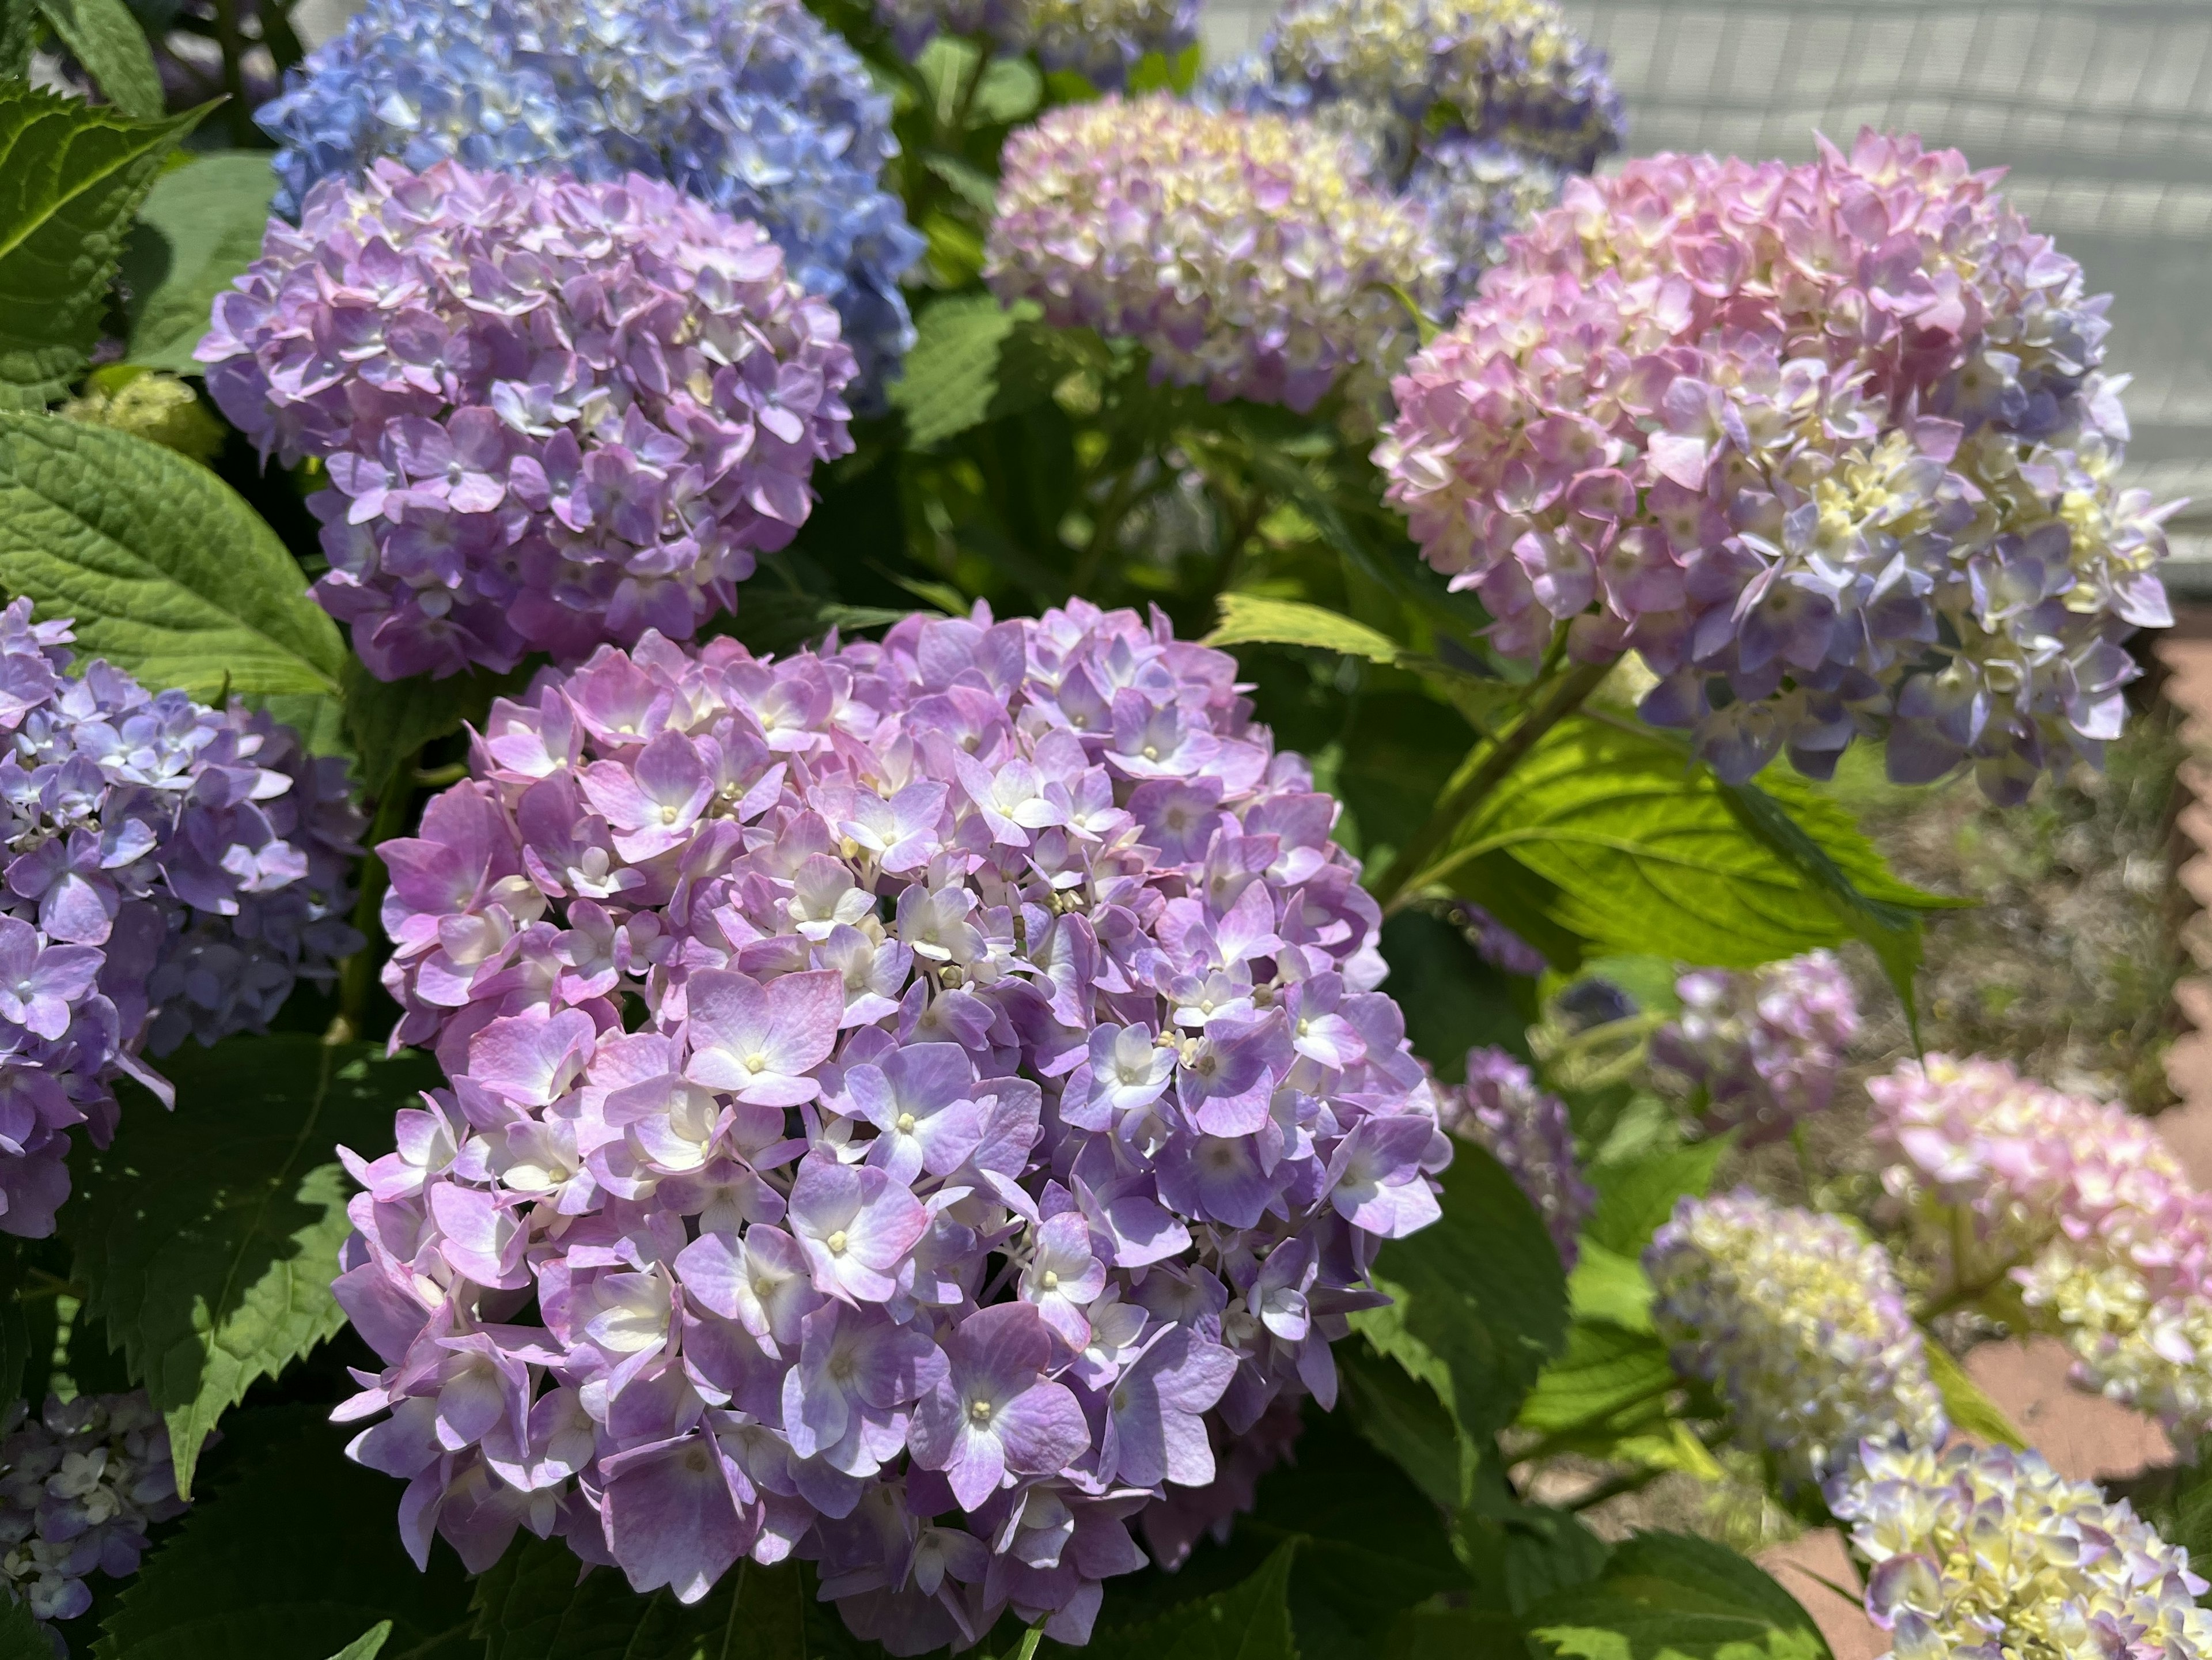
1554 700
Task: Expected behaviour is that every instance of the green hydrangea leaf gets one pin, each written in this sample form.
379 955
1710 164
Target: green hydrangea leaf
952 374
532 1604
293 1552
1480 1291
168 574
71 177
109 43
200 227
1969 1409
1648 852
1671 1597
369 1644
1249 1621
206 1239
1254 619
390 720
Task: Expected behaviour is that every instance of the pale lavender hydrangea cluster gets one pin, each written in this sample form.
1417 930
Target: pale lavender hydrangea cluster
904 1098
1100 39
2079 1206
1526 1129
169 870
1800 1324
1759 1051
1827 445
552 414
79 1485
1985 1554
1241 251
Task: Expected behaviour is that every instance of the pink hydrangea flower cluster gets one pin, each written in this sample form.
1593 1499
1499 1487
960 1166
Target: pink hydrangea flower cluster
166 871
1828 445
906 1099
1526 1128
2079 1205
1759 1051
552 414
1244 253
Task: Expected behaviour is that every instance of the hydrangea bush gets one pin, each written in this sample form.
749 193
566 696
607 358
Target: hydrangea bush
730 1111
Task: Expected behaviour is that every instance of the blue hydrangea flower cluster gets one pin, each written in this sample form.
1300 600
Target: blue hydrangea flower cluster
552 413
1473 193
911 1103
79 1485
752 105
169 870
1505 69
1100 39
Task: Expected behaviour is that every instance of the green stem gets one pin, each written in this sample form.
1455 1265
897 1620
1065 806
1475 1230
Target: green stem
1554 702
233 42
1626 1482
1119 500
953 128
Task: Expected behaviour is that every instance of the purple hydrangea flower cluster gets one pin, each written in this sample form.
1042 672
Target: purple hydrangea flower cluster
168 870
1100 39
1759 1050
1241 251
1828 445
2079 1205
1174 1523
1800 1323
1527 1129
1983 1552
754 107
553 414
903 1098
79 1485
1506 72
